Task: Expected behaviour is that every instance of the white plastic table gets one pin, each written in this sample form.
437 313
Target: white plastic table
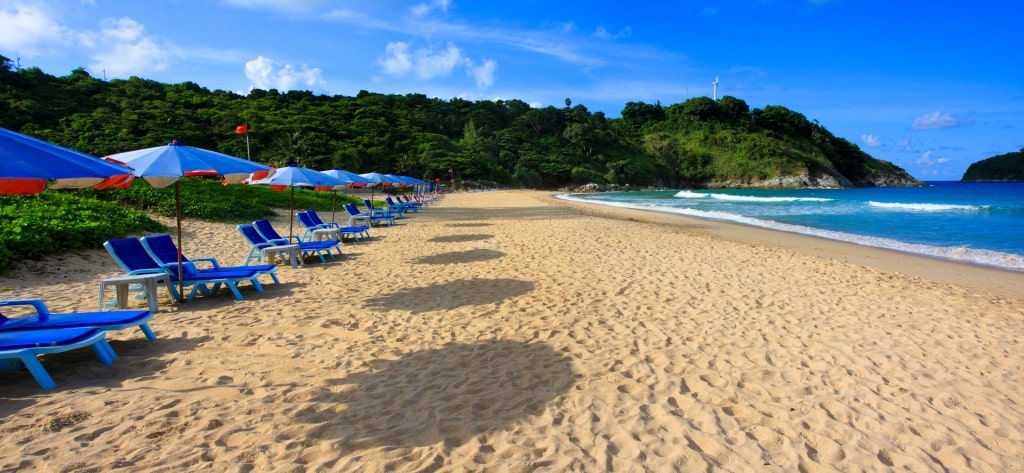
289 253
121 283
326 234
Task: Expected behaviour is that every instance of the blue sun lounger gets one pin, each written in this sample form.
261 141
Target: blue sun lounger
311 222
27 346
404 206
319 248
44 319
133 258
162 248
375 219
383 213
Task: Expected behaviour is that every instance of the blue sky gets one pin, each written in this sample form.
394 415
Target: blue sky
930 86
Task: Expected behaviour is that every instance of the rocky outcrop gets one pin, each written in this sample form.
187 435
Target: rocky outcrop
826 180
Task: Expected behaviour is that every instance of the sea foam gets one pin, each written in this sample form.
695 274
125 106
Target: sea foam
955 253
920 207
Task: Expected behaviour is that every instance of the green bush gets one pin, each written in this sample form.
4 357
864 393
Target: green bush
52 222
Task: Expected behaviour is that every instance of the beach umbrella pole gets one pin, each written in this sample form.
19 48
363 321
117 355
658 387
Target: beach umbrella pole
334 202
181 264
291 216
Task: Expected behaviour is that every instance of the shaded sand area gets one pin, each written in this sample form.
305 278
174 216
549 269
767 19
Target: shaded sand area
509 331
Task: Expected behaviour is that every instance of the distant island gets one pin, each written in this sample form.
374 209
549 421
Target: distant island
1002 168
699 143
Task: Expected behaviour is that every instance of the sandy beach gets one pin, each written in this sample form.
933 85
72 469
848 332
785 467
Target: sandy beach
510 331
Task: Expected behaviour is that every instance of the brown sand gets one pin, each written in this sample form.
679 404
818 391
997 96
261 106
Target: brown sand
508 331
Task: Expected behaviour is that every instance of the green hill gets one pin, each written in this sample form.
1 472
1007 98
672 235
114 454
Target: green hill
1005 167
697 143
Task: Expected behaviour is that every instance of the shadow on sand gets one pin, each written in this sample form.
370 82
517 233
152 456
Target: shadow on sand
458 293
446 395
457 257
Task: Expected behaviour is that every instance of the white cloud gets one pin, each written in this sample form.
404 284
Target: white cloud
264 73
424 9
603 33
122 49
431 64
556 43
926 159
872 141
295 6
935 120
484 73
27 29
425 64
397 61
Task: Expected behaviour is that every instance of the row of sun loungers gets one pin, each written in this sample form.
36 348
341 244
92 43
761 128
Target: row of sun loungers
29 330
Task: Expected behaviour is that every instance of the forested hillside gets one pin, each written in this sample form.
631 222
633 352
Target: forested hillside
697 143
1004 167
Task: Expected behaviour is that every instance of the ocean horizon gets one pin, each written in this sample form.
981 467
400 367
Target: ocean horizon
979 223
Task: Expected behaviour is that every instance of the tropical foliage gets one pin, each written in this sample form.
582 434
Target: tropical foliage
694 143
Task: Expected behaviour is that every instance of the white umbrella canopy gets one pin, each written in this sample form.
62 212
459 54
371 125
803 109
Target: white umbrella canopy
162 166
295 176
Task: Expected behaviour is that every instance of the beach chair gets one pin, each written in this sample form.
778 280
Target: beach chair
312 231
260 248
404 206
379 212
375 220
134 259
355 232
357 218
319 248
414 201
26 347
162 248
41 318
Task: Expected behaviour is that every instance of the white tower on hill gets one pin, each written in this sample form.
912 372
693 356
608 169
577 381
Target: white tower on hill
715 83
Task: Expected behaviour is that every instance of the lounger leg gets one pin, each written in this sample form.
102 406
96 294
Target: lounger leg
234 290
148 331
256 284
38 372
104 352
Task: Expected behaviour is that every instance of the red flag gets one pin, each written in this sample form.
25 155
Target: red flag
241 129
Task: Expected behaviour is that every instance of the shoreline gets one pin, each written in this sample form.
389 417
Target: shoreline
912 264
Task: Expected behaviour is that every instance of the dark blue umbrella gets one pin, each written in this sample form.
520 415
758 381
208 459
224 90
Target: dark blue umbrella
355 180
29 164
162 166
382 180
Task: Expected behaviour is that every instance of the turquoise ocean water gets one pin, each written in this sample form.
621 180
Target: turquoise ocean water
974 223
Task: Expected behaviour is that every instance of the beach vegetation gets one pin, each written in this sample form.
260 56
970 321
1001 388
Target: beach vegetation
66 220
1004 167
